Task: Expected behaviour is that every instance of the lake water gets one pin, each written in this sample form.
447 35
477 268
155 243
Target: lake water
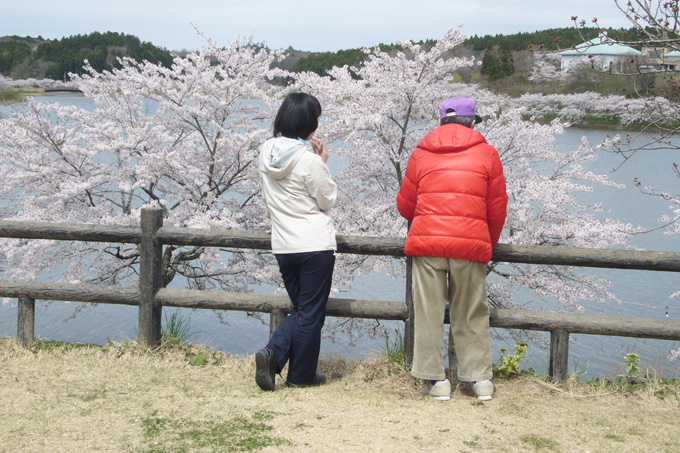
644 293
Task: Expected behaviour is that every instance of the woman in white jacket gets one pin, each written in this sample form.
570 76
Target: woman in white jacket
298 191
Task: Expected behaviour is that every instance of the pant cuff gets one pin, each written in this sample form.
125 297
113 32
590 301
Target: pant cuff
428 376
481 377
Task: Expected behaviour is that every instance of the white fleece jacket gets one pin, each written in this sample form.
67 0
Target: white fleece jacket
298 191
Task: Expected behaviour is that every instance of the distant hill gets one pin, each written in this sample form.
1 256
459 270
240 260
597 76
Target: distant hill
23 58
552 39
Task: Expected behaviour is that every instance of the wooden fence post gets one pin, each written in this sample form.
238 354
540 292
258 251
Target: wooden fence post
559 355
276 317
150 278
26 321
408 324
453 358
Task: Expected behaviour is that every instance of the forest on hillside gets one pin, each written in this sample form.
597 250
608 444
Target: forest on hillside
551 39
27 57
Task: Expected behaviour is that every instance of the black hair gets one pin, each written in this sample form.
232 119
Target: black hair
464 120
298 116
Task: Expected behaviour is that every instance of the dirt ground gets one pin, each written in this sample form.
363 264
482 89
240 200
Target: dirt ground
123 398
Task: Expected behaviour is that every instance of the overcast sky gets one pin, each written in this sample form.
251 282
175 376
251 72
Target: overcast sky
318 25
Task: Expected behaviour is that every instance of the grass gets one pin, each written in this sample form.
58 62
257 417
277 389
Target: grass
394 346
241 433
10 95
177 330
539 443
122 397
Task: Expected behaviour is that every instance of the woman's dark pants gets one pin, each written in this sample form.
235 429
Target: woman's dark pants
307 277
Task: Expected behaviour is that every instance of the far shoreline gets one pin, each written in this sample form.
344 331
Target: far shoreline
589 123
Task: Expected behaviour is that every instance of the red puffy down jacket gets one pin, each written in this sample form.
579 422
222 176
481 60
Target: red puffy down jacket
454 193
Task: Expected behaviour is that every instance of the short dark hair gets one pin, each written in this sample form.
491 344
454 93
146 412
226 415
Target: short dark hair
464 120
298 116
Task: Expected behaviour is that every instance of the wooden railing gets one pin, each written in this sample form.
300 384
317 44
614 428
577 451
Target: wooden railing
150 297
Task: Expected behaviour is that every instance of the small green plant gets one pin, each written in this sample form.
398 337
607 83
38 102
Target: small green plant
394 349
632 362
630 380
177 330
199 360
508 365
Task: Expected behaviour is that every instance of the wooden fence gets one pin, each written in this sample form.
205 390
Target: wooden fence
150 297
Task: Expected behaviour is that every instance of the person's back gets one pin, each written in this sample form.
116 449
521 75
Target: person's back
457 179
298 189
454 194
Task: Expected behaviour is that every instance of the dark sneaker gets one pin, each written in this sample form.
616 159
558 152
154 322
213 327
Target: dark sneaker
265 369
318 380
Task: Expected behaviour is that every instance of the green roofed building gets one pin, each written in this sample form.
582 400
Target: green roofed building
671 60
605 54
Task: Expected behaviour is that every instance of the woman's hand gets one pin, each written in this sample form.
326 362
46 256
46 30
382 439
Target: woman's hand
322 150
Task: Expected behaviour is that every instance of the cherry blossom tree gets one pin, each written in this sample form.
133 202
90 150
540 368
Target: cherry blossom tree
381 110
574 108
543 185
184 139
546 67
657 24
378 112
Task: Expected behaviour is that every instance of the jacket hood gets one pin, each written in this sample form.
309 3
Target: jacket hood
280 155
451 138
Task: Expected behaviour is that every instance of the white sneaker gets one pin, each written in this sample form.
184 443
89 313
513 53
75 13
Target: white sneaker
440 390
483 389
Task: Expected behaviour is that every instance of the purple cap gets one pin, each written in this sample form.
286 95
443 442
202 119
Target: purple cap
460 107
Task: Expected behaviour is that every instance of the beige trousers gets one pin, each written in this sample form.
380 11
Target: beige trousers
462 282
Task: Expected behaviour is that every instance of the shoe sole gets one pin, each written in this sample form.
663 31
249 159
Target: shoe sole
486 393
262 375
441 398
304 384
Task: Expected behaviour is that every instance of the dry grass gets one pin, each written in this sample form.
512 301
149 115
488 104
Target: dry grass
123 398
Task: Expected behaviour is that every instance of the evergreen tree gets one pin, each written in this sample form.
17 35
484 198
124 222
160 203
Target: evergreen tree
506 63
489 63
67 55
498 62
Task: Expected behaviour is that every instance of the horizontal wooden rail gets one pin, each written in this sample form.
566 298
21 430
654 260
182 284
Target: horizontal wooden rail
150 298
70 292
350 308
618 326
391 246
338 307
363 245
588 257
70 232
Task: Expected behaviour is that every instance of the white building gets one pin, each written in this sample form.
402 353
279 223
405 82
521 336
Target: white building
606 56
671 60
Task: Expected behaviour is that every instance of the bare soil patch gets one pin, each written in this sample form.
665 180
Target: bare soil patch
125 398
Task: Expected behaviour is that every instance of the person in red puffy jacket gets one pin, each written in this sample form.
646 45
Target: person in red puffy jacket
453 193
